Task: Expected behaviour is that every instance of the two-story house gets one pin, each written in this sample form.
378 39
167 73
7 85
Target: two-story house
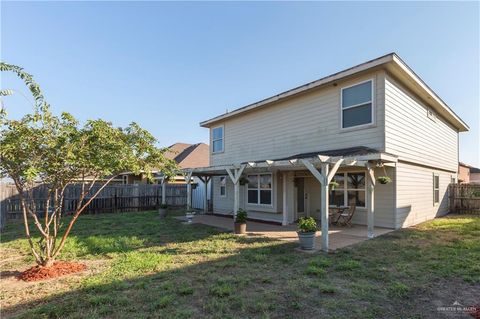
276 158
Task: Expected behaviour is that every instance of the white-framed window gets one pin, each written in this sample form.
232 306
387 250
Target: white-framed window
357 105
352 188
125 179
259 189
436 189
217 139
223 186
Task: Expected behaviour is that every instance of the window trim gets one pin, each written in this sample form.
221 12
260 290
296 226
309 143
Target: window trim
436 189
372 101
345 188
258 189
220 188
218 139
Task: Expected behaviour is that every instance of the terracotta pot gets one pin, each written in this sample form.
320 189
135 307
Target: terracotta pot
307 240
240 228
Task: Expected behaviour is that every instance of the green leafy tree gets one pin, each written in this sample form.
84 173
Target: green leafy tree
57 151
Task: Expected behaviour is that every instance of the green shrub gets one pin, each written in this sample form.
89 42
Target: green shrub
241 216
307 225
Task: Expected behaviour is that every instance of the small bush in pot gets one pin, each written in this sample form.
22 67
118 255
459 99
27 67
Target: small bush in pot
162 210
241 222
307 227
384 179
334 184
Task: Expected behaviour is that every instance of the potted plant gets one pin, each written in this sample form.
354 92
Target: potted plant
307 227
241 222
162 210
334 184
384 179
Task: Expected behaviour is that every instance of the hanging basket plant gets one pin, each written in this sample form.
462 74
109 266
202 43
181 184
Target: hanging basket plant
334 184
384 179
243 180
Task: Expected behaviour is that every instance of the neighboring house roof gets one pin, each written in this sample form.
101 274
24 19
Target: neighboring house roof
470 167
190 155
474 170
175 149
391 62
463 164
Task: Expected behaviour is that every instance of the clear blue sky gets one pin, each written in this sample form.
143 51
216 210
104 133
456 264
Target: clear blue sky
169 66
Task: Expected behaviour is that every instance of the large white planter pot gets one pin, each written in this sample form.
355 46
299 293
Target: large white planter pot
307 240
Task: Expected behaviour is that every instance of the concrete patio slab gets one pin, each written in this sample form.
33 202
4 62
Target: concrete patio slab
339 236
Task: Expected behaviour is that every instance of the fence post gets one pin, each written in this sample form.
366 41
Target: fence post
115 203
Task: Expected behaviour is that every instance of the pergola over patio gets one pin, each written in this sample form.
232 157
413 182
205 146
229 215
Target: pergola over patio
322 165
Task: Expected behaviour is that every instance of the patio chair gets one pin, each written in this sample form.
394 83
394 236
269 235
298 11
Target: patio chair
345 218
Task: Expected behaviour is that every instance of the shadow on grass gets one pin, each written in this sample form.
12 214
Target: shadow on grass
225 276
115 233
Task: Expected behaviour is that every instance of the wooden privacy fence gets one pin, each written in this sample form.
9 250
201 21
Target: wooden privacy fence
113 198
465 198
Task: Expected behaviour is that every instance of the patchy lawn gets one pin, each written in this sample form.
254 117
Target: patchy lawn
143 267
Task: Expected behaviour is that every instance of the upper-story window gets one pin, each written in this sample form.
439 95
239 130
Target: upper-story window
217 139
357 104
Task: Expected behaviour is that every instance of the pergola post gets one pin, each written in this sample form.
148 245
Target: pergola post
288 198
285 199
324 177
188 179
235 174
205 181
324 207
370 201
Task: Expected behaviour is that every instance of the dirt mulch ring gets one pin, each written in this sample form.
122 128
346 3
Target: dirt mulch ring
59 268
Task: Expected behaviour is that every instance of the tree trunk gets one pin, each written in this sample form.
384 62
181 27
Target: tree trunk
48 262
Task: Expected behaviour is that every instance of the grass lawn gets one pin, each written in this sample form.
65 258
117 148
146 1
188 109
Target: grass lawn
143 267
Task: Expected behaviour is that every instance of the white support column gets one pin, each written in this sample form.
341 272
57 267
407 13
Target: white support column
324 207
285 199
164 191
235 174
370 201
324 177
205 181
188 179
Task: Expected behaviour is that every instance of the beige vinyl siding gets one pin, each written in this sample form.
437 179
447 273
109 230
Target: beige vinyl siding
224 205
384 195
306 123
412 135
415 194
